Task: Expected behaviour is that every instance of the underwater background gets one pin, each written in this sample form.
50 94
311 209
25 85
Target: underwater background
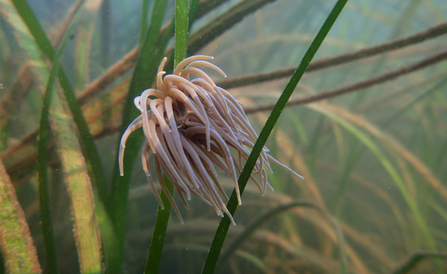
366 127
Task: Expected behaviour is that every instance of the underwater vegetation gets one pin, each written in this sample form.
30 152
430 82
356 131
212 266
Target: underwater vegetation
352 95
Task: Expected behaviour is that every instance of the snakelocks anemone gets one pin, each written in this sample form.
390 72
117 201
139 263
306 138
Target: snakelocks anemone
192 126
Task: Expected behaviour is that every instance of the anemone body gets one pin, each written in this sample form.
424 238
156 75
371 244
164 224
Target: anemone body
192 126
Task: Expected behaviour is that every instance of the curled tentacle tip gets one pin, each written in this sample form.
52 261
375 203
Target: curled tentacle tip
232 221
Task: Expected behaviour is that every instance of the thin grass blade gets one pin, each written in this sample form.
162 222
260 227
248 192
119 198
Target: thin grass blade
158 236
18 250
79 187
181 31
44 196
415 258
222 230
144 16
161 223
143 77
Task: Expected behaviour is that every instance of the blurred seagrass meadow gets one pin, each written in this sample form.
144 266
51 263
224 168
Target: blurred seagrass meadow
366 126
